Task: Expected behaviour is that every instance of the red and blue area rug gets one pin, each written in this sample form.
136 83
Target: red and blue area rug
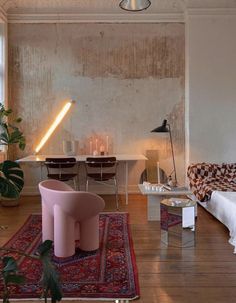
109 273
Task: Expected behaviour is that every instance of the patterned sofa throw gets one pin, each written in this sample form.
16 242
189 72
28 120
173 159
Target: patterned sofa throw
204 178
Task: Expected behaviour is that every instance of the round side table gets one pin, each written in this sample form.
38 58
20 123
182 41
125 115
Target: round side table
178 222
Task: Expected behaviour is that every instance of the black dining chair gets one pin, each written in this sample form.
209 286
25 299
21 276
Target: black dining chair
63 169
102 170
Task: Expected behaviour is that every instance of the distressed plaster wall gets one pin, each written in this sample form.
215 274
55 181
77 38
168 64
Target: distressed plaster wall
126 78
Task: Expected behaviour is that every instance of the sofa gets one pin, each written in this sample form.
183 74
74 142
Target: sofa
204 178
214 186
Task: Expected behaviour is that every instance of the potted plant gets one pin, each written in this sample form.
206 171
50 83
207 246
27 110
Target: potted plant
10 275
11 175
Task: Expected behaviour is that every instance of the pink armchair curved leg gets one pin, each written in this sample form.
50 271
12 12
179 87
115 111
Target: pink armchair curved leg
47 224
64 238
89 239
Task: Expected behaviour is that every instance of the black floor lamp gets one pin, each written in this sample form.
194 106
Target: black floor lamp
165 128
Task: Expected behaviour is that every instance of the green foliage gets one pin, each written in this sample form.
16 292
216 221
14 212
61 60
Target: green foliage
11 175
10 276
50 280
11 184
9 132
11 179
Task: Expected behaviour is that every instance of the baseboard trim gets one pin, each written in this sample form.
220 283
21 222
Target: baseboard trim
132 189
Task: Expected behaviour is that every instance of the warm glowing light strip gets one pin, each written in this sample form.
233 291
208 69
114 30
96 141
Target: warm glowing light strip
54 125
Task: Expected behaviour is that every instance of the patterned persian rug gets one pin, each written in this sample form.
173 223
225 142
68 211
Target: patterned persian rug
109 273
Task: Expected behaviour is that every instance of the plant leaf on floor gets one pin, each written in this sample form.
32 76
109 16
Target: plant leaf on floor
49 279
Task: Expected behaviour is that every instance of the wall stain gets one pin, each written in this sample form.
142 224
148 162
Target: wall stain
157 57
129 51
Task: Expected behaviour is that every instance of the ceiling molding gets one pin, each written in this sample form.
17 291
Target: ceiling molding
211 11
96 18
81 6
3 15
105 11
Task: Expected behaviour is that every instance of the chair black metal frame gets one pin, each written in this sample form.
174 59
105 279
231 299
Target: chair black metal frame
63 169
101 170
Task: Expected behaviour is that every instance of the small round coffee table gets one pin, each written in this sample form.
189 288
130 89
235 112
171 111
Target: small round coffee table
178 222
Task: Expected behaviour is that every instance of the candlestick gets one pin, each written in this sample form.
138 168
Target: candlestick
66 145
90 147
158 173
102 150
74 144
96 144
107 143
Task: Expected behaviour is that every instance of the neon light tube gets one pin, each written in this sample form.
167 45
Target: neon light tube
54 125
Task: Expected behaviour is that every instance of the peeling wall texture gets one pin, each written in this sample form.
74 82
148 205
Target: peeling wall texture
126 78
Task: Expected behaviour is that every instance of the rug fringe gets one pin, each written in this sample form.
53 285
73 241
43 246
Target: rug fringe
80 299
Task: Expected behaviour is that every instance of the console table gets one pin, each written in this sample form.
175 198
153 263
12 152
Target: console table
154 199
125 158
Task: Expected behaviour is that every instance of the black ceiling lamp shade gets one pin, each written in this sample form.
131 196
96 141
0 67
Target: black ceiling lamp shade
134 5
165 128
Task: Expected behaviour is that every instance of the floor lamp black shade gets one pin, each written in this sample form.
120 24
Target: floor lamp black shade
165 128
161 129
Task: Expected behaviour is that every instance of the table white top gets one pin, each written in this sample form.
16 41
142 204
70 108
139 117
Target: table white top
178 202
175 191
80 158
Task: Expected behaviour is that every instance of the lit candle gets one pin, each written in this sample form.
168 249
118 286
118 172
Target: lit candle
107 141
158 173
96 146
90 147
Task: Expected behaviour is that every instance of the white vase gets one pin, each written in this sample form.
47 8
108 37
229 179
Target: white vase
69 147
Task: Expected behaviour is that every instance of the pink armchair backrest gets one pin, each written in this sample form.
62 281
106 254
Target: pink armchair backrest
78 204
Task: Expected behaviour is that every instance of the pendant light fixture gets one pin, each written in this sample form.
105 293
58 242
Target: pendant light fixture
134 5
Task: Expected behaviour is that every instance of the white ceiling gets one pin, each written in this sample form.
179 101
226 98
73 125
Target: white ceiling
104 6
104 9
82 6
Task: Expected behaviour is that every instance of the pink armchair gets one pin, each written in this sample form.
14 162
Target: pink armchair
69 215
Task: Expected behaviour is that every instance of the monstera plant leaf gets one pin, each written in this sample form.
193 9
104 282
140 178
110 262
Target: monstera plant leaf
10 134
11 179
50 279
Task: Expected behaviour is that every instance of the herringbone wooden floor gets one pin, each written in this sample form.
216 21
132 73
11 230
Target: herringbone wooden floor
203 274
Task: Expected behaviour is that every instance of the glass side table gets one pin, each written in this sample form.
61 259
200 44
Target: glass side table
178 222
